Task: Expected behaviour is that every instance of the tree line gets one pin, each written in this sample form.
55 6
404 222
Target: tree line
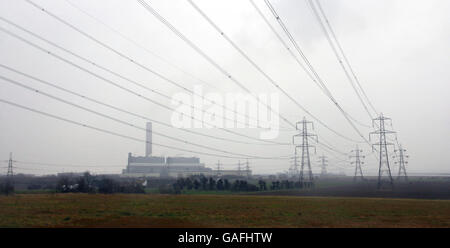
211 184
98 184
88 183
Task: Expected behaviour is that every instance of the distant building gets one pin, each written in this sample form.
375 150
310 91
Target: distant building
154 166
70 174
172 167
161 167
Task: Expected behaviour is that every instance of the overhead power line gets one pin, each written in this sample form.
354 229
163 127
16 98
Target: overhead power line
128 112
143 48
258 68
198 50
344 56
120 86
72 53
338 57
209 59
84 59
126 57
297 47
92 38
239 155
116 133
321 85
327 146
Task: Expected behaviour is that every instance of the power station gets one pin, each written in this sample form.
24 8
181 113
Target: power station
159 166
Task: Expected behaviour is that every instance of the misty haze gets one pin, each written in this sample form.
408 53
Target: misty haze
163 101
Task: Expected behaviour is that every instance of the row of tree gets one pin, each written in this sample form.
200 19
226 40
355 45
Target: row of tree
92 184
210 184
204 183
286 184
100 184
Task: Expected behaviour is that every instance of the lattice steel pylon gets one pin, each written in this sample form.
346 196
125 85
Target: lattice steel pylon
9 187
218 168
323 165
357 163
247 168
10 173
400 156
239 168
293 169
307 180
382 145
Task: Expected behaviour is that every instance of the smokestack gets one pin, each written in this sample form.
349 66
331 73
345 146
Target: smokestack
148 144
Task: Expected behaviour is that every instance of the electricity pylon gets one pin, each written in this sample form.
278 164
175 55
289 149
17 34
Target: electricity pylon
400 156
382 149
239 168
10 173
306 161
293 170
323 165
218 168
10 176
357 163
247 168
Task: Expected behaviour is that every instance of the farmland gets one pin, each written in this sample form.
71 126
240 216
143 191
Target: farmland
157 210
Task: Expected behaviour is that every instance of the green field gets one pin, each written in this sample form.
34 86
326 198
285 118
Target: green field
151 210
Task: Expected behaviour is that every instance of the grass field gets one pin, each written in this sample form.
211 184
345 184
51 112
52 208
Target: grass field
147 210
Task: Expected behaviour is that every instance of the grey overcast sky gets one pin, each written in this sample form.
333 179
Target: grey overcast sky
398 48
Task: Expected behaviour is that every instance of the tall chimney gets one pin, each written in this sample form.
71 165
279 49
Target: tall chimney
148 144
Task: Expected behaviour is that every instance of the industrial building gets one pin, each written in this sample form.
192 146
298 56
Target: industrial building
154 166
